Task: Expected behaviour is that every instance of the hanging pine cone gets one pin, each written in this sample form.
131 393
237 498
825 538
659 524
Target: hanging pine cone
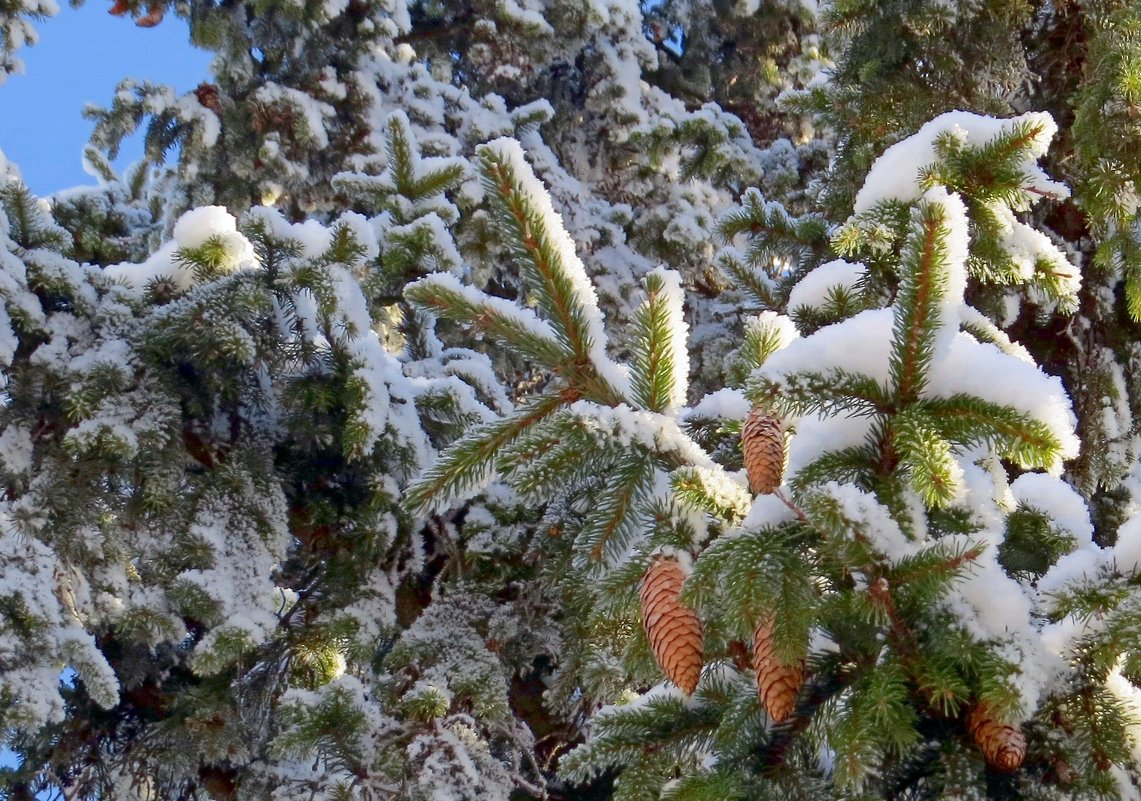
673 629
762 440
1003 745
119 8
207 94
155 12
777 683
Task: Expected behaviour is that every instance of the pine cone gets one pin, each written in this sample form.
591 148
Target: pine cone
762 440
207 94
119 8
155 12
673 629
777 683
1004 746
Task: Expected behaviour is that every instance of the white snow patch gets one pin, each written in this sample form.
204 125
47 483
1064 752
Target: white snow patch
895 174
812 290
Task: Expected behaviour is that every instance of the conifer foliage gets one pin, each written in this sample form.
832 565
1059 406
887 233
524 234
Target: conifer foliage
482 400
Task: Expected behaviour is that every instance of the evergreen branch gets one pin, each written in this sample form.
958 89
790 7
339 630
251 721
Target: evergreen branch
624 734
878 230
553 457
467 461
1032 543
846 466
968 420
623 428
612 520
1087 599
925 457
763 338
443 295
541 248
756 285
903 639
774 234
28 225
1055 277
877 718
825 393
933 570
711 493
923 266
720 784
823 687
660 362
400 147
749 574
992 171
842 532
437 176
840 303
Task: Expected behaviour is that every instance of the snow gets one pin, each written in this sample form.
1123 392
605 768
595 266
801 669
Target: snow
193 230
953 270
1130 698
663 691
895 174
1027 246
625 427
33 654
567 261
519 317
313 112
1075 566
196 226
683 557
1058 500
311 237
766 511
832 347
813 290
983 493
1127 550
726 490
815 435
965 366
872 519
526 15
16 449
778 326
993 606
981 369
725 404
981 325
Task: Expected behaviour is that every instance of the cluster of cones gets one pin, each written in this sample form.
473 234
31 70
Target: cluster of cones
676 638
156 10
674 629
675 632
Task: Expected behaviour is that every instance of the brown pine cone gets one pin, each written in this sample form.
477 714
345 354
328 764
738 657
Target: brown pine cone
1003 745
207 94
762 440
155 12
119 8
777 683
673 629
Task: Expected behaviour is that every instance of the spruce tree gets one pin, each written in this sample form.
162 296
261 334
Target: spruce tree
470 400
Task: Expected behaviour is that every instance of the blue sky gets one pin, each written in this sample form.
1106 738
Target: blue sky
82 54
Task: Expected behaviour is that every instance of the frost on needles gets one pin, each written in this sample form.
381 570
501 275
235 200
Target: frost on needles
388 431
894 559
